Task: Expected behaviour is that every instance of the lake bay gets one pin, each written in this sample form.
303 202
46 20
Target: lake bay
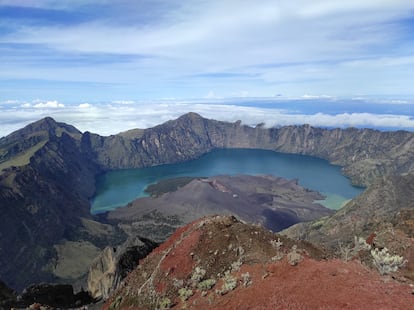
117 188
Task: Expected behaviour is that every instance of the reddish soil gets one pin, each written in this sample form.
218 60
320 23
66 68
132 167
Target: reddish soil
178 263
215 244
311 284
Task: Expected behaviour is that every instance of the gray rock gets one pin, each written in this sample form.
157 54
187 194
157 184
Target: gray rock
113 264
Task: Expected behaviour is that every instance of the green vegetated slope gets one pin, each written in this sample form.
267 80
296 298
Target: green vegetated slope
22 158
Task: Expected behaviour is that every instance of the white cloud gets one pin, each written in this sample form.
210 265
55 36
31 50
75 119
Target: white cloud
107 119
123 101
84 105
49 104
355 120
307 96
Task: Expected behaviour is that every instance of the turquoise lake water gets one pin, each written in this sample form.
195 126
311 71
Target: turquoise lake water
117 188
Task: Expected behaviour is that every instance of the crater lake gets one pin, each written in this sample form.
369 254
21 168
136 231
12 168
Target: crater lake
119 187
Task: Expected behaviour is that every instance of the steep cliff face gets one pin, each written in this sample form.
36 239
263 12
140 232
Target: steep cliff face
101 276
174 141
364 153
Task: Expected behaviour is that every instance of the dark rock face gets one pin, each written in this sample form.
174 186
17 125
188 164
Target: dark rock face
131 252
7 296
48 172
48 294
54 295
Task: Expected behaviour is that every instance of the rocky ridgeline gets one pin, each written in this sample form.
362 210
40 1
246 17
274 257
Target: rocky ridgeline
364 153
48 171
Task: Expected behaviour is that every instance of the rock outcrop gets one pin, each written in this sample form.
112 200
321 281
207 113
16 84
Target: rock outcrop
113 265
102 273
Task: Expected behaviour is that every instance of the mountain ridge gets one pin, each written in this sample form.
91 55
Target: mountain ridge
364 153
48 173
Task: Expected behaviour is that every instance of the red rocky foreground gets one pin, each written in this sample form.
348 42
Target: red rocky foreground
221 263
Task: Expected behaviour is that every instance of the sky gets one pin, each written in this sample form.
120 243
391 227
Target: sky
107 66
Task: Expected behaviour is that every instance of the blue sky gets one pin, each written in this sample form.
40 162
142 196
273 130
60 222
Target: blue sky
77 60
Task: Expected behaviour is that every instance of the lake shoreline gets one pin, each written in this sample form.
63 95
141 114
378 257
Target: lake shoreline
119 187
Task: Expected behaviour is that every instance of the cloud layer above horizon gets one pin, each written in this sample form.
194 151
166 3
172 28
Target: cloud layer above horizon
143 62
121 115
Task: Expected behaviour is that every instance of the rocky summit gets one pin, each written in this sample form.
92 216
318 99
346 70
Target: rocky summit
221 263
48 170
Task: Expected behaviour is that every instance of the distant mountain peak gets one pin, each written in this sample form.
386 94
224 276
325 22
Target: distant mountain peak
44 126
24 142
48 123
190 116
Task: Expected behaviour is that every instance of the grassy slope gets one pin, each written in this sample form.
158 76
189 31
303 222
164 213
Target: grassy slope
22 158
